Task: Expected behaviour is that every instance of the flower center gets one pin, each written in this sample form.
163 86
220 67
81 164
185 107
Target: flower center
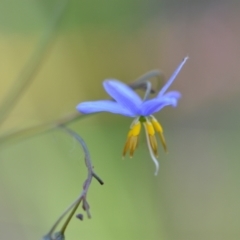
142 119
151 126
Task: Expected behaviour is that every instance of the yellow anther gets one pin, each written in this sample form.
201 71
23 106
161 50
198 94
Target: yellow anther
151 137
157 126
150 128
151 125
153 143
133 145
136 128
132 139
163 142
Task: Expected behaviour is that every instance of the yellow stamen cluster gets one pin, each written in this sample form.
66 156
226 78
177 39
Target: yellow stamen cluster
151 125
132 139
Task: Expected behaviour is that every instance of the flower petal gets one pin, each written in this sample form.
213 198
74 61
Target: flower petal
172 94
103 106
172 78
123 95
154 105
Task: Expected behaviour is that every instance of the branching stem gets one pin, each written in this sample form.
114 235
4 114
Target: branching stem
83 195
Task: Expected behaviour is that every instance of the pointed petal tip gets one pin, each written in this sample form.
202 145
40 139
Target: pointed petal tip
173 76
185 59
109 81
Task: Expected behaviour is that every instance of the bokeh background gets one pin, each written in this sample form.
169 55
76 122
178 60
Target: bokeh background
196 194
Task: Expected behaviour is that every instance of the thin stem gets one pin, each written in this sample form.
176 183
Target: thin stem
70 217
148 90
27 132
61 217
97 178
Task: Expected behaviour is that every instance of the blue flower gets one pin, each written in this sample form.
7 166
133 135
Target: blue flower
128 103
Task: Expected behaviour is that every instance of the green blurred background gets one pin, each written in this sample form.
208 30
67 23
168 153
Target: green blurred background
196 194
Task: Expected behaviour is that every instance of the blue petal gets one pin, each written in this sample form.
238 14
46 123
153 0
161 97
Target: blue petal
123 95
172 101
172 78
155 105
173 94
103 106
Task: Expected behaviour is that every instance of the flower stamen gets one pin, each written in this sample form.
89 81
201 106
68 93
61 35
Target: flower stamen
152 154
151 125
158 128
132 138
151 135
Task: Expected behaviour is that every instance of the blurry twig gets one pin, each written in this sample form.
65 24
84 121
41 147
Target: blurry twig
32 67
27 132
81 198
142 81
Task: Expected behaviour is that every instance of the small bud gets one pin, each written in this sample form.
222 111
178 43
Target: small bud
79 216
59 236
47 237
85 205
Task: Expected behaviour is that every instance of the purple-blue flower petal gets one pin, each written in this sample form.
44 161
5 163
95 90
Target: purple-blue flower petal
154 105
123 95
173 94
128 103
172 78
103 106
